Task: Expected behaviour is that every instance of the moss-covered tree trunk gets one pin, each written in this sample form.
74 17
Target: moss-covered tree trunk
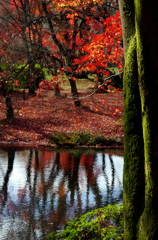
140 24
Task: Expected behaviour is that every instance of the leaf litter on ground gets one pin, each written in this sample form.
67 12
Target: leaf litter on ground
36 118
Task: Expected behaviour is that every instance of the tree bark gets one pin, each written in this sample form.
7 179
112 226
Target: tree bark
8 101
140 24
74 92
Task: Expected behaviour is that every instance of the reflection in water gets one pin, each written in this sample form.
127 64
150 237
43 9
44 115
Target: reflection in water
41 190
11 156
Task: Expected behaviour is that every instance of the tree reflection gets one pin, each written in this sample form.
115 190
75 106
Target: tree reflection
110 187
4 192
59 186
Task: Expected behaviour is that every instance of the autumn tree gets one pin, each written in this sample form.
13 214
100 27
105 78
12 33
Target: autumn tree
7 54
25 19
140 23
21 44
54 34
104 50
73 25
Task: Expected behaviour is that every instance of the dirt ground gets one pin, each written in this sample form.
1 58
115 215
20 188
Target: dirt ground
38 117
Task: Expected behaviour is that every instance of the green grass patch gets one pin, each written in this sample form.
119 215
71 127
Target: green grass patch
103 223
81 84
121 120
70 139
67 139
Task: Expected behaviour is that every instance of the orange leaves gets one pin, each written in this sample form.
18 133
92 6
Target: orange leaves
44 85
118 110
47 85
103 101
16 83
59 4
105 47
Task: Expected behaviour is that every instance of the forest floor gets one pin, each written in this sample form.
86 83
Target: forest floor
37 118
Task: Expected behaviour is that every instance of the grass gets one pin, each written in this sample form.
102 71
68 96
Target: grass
66 139
81 84
103 223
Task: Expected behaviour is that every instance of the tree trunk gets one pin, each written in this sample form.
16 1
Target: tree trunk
9 107
74 92
35 76
147 57
133 177
140 23
8 102
57 90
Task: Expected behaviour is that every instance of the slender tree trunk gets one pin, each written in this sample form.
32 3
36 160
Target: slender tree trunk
8 101
74 92
9 107
35 77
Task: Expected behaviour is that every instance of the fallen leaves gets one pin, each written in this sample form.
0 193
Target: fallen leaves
36 119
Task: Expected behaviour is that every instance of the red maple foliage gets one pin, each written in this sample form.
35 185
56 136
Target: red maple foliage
78 35
75 39
105 48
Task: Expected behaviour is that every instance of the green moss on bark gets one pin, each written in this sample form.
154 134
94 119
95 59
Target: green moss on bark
133 178
141 135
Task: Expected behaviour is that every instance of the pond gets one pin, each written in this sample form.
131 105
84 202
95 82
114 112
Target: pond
42 189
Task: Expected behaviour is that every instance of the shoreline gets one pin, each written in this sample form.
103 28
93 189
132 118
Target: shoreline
37 145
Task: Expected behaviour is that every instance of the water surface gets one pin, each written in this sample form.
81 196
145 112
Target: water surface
42 189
